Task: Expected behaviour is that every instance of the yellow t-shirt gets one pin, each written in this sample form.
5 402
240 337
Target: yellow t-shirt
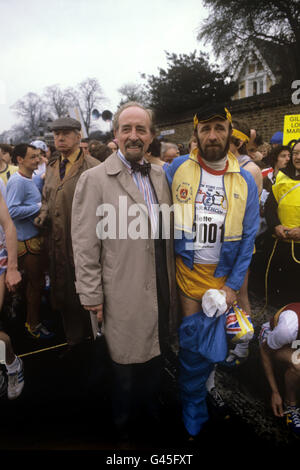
7 172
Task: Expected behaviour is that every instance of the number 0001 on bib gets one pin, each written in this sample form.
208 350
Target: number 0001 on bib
210 211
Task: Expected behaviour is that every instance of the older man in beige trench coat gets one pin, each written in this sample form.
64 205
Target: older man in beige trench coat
62 175
127 280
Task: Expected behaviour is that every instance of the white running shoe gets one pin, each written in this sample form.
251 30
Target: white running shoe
16 382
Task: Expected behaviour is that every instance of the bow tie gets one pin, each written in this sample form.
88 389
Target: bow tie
144 169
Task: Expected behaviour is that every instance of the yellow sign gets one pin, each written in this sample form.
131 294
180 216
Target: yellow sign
291 130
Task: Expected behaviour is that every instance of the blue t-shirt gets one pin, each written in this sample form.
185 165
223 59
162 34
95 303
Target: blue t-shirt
23 200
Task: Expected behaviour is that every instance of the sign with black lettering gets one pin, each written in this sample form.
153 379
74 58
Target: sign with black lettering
291 129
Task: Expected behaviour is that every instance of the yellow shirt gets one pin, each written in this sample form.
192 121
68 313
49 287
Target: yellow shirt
71 160
7 172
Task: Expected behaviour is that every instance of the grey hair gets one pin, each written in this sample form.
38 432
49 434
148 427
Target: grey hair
166 146
131 104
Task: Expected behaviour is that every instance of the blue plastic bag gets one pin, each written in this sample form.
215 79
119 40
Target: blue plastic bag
205 336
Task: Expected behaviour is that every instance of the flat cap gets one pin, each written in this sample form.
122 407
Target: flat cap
65 123
211 112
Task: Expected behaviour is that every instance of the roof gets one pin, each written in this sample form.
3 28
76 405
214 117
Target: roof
274 57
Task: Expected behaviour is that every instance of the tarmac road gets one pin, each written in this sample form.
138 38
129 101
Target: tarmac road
65 406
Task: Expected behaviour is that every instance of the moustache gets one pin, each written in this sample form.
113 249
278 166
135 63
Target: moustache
135 143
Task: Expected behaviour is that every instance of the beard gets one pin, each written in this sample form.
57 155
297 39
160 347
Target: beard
214 152
134 155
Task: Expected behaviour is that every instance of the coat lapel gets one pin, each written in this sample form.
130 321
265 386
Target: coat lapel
115 167
55 167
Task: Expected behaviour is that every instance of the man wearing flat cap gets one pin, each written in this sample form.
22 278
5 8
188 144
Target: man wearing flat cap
216 220
62 175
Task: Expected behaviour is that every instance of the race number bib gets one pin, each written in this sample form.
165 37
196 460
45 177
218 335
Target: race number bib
210 212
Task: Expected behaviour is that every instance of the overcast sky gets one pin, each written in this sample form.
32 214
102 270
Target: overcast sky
65 41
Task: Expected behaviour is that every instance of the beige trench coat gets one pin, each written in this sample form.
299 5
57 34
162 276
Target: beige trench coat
120 273
56 209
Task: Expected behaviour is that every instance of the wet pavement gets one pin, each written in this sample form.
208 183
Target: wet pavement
65 406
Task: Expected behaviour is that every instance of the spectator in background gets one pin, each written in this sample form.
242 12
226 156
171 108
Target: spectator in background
153 153
6 153
55 217
192 143
264 149
40 172
181 148
24 203
92 144
278 158
113 145
42 150
169 151
276 139
84 145
238 146
278 355
6 168
52 153
99 150
282 212
252 148
9 279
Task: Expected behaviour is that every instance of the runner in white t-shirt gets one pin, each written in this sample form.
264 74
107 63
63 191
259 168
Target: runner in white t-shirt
279 340
210 211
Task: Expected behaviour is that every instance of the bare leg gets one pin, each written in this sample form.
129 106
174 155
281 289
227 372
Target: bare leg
32 265
243 299
291 376
189 306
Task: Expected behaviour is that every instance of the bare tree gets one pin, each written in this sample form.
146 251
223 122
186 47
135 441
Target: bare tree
33 112
87 96
58 100
132 92
232 24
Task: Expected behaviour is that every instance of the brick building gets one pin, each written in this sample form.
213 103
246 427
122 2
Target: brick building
265 113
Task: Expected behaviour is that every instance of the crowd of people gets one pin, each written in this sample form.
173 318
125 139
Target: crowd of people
91 217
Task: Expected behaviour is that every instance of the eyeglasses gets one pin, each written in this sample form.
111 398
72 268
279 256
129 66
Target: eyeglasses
295 153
